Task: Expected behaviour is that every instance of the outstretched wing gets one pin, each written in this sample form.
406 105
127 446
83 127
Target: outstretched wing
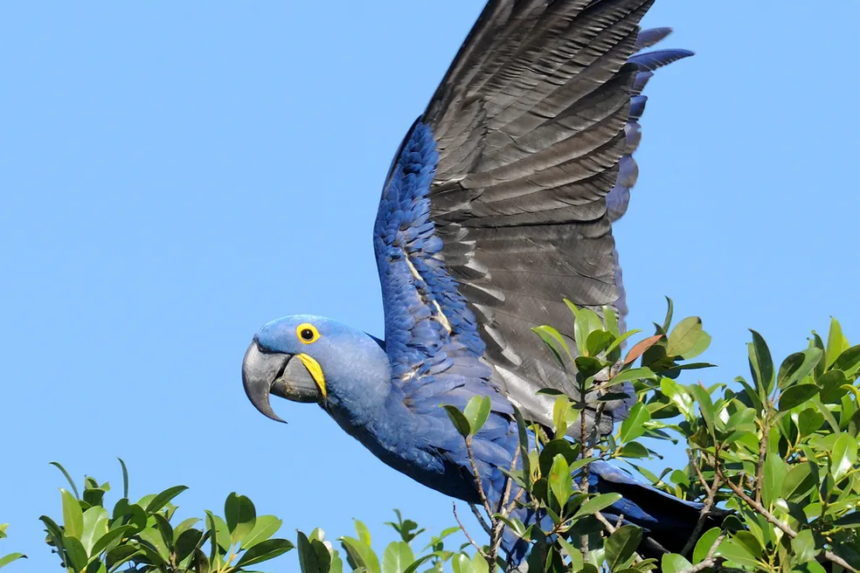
501 198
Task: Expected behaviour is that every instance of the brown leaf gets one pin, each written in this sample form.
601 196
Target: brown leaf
640 348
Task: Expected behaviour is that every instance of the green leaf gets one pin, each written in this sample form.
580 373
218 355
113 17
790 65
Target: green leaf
610 319
848 520
309 561
264 551
10 558
77 555
95 525
831 384
265 527
619 340
678 396
598 341
462 564
634 374
124 478
798 366
634 425
123 554
459 420
586 321
477 411
803 546
684 336
162 499
524 448
555 342
673 563
153 537
738 552
836 342
774 477
670 312
799 481
361 554
597 503
241 516
828 415
796 395
363 532
704 544
479 564
588 366
398 556
54 532
700 347
105 542
706 406
633 450
560 480
73 517
761 365
417 563
809 421
848 361
621 545
844 455
69 479
560 411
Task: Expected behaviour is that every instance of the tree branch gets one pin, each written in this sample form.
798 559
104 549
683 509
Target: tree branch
477 513
829 555
706 509
477 474
762 452
466 533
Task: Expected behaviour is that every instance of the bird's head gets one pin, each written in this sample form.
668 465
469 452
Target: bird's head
306 358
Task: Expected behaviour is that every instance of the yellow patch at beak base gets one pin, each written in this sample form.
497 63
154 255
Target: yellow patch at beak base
316 371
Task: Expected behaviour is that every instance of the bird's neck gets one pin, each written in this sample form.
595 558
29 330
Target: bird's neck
359 391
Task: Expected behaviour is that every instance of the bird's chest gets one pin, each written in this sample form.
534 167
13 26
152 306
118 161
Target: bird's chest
414 445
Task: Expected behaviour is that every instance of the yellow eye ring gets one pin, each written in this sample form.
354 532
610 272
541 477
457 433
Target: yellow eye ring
307 333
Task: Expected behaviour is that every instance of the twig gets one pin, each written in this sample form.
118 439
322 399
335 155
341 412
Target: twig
602 519
514 501
584 453
498 524
477 512
706 509
762 452
708 561
477 475
619 521
829 555
699 475
466 533
613 528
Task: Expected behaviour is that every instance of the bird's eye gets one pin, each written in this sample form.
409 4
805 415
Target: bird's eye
307 333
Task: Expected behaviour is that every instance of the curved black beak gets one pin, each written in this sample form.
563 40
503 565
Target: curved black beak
265 373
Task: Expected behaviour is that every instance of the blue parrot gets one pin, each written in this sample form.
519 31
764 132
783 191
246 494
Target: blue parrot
499 202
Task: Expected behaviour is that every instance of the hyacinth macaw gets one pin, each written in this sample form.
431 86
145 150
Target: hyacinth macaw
498 203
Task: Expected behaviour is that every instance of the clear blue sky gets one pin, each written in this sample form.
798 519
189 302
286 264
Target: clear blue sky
176 174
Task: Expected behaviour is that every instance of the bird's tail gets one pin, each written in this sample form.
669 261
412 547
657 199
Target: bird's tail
667 522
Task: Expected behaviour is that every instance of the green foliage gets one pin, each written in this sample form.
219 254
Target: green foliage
772 458
7 559
143 537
